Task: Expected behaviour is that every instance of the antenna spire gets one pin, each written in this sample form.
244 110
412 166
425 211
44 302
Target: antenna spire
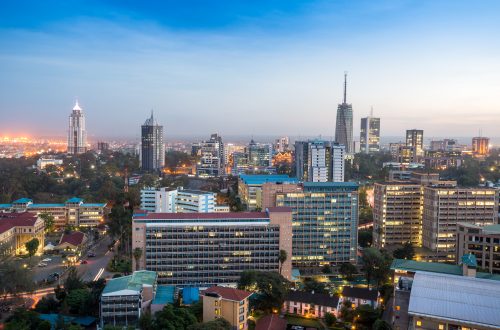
345 87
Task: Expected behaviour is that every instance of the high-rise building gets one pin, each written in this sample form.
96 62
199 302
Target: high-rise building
446 205
415 140
77 135
481 241
319 161
480 146
370 134
282 144
211 163
343 127
212 248
259 154
325 223
152 146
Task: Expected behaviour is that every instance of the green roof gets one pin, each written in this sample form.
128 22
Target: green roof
74 200
492 228
131 282
22 201
469 260
433 267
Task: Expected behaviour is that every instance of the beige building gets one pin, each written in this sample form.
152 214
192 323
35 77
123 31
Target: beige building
250 185
228 303
18 228
483 242
445 206
266 196
397 213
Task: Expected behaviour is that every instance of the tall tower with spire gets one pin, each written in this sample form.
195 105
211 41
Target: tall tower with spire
152 146
77 135
343 127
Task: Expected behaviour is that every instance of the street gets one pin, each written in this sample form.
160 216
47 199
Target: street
96 266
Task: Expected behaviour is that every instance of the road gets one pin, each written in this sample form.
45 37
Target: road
96 266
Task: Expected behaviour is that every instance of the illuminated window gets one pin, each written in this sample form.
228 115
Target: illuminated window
441 327
419 323
398 308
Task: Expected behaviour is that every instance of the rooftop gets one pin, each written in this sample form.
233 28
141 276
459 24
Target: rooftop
228 293
10 220
361 293
326 185
132 282
22 201
202 216
457 298
320 299
75 200
75 238
271 322
164 295
258 179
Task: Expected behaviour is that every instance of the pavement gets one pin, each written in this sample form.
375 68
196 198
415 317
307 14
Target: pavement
96 266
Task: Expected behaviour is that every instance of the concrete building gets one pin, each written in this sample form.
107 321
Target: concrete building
319 161
43 162
77 135
266 196
228 303
344 123
359 296
259 155
370 135
125 298
483 242
325 223
212 161
397 213
306 304
212 248
152 145
480 146
250 186
415 140
73 212
282 144
18 228
163 200
445 206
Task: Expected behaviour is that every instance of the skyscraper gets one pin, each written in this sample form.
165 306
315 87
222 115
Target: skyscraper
343 128
77 135
370 134
211 163
152 146
415 140
319 161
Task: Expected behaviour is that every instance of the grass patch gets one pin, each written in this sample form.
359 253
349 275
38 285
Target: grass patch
297 320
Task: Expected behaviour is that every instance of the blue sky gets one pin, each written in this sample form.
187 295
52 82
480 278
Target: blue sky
249 67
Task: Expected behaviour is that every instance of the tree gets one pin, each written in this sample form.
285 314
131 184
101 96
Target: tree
49 222
14 278
197 310
23 319
73 281
365 238
271 288
137 257
347 270
146 321
366 316
47 305
174 318
282 258
330 319
77 301
326 269
376 265
405 252
381 325
217 324
32 246
312 285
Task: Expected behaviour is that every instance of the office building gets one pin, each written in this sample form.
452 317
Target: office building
16 229
325 223
77 135
415 141
102 147
445 205
481 241
397 213
73 212
211 163
370 135
266 196
165 200
282 144
344 123
250 186
319 161
480 146
229 303
43 162
126 298
258 154
445 145
205 249
152 145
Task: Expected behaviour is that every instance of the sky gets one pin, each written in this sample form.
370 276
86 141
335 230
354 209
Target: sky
249 67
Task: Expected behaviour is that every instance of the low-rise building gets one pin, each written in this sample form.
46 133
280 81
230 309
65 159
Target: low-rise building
125 298
74 242
308 304
271 322
228 303
16 229
359 296
483 242
43 162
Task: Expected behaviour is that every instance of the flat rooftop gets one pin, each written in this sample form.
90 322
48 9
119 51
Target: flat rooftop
258 179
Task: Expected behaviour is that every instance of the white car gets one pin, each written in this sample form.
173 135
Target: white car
46 260
42 264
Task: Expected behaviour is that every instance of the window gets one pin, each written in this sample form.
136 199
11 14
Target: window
441 327
242 317
217 311
419 323
241 326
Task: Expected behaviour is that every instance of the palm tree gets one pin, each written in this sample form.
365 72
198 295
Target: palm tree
137 257
282 258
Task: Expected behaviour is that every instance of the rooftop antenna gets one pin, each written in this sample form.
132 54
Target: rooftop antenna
345 87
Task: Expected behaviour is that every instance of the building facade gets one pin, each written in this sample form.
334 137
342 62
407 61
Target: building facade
152 145
370 135
16 229
165 200
212 154
259 155
77 135
344 123
308 305
319 161
483 242
480 146
445 206
325 223
415 140
228 303
250 187
212 248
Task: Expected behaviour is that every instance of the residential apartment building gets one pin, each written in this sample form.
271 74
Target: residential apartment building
359 296
415 140
397 213
212 248
483 242
325 223
212 161
249 186
228 303
446 205
308 305
124 299
370 135
73 212
319 161
16 229
165 200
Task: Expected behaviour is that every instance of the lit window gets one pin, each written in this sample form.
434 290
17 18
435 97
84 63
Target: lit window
441 327
419 323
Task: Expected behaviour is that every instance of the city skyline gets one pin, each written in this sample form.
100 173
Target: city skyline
287 58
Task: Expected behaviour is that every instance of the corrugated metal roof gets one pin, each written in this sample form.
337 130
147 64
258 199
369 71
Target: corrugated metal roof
132 282
433 267
461 298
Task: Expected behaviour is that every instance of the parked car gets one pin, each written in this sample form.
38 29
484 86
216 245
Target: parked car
42 264
91 254
46 260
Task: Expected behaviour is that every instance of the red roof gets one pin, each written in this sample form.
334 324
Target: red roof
10 220
195 216
229 293
75 238
271 322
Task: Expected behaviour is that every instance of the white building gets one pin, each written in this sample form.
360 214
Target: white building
338 163
319 161
162 200
77 135
158 199
44 162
